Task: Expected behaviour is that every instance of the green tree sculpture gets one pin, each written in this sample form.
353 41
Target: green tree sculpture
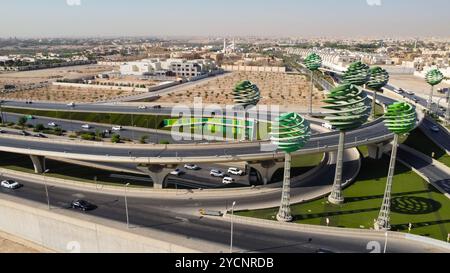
290 132
378 78
433 77
313 62
357 74
245 94
400 119
350 109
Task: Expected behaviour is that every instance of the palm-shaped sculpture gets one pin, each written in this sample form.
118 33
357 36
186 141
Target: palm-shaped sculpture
313 62
290 132
245 94
378 78
433 77
400 119
350 109
357 74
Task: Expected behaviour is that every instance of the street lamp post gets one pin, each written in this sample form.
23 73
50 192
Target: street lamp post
126 205
46 189
232 226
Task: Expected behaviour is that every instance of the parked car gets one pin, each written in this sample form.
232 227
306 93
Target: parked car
82 205
117 128
228 180
24 133
142 107
177 172
10 184
86 126
52 124
236 171
192 167
435 129
217 173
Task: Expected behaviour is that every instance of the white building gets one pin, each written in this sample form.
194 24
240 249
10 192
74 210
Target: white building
140 68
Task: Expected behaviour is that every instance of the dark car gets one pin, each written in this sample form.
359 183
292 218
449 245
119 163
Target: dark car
40 136
83 205
24 133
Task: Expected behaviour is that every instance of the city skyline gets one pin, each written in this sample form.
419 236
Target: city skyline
308 19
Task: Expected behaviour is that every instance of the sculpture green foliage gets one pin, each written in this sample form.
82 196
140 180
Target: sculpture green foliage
350 105
400 118
313 62
357 74
378 78
434 77
246 93
290 132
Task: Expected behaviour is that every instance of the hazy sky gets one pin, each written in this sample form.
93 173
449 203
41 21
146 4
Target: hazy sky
307 18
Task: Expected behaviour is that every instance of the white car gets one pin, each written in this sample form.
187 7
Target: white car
217 173
236 171
192 167
142 107
228 180
327 125
52 124
177 172
10 184
117 128
72 104
86 126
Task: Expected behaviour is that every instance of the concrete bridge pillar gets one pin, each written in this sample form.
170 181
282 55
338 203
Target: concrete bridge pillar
376 151
158 173
267 168
38 163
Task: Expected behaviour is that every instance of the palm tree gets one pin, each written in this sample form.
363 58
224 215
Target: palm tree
400 119
313 62
290 132
350 110
433 77
378 78
245 93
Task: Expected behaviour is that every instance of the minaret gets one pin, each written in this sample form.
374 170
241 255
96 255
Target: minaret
224 45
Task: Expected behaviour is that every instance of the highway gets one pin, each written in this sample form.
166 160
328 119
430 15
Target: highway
153 214
442 138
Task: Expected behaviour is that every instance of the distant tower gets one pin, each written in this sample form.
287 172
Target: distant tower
224 45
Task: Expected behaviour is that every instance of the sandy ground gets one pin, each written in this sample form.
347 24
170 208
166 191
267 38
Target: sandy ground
276 88
9 246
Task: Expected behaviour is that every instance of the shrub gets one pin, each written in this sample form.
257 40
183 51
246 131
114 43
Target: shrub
115 138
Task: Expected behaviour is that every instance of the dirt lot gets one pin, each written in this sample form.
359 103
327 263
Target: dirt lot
276 88
8 246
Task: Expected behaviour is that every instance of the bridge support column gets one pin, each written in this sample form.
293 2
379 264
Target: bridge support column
38 163
266 169
376 150
158 173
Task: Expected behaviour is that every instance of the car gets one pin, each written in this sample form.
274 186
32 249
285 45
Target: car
328 126
40 136
217 173
192 167
400 90
72 104
177 172
410 93
228 180
236 171
10 184
142 107
435 129
2 131
82 205
24 133
52 124
157 107
117 128
416 100
86 126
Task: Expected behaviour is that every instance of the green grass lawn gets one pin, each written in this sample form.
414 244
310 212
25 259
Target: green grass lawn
70 171
144 121
420 142
414 201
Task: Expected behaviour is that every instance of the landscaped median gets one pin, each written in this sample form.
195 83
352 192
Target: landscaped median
414 201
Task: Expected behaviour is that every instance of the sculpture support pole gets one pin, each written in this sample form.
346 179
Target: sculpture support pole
336 196
447 114
311 94
374 104
383 221
430 100
284 214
